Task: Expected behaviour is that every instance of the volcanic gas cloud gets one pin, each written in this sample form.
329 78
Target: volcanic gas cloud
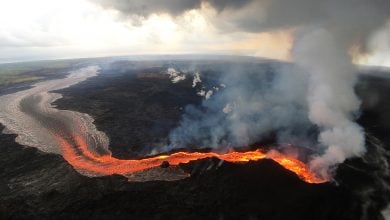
320 94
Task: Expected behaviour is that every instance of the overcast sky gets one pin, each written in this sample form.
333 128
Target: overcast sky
50 29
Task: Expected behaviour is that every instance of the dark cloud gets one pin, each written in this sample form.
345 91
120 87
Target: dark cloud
221 5
360 15
261 15
173 7
147 7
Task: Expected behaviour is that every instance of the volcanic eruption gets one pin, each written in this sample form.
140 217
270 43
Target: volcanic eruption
83 159
200 135
320 93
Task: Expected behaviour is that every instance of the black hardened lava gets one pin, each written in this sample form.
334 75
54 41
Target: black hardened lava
136 108
36 185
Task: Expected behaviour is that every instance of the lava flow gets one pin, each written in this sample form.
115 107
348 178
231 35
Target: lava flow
81 158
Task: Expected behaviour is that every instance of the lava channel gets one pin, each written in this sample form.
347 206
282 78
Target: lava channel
81 158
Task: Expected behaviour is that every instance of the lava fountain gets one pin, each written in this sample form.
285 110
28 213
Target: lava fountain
84 160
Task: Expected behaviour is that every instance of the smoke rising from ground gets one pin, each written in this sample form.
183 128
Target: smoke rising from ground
322 48
256 101
331 97
327 31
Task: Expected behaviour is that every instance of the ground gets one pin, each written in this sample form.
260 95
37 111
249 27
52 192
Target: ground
136 107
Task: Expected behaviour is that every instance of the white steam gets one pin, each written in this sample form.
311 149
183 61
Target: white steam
196 80
175 75
326 32
253 101
331 98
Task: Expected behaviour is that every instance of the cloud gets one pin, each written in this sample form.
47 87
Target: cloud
148 7
174 7
262 15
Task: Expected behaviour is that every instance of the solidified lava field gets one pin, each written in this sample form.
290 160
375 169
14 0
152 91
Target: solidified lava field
136 108
36 185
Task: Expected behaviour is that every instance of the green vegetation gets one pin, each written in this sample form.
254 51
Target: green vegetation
14 79
14 73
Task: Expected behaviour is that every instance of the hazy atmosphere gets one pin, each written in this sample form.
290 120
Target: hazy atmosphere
50 29
195 109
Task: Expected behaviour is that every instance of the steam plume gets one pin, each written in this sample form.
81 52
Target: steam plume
327 31
322 49
253 102
331 98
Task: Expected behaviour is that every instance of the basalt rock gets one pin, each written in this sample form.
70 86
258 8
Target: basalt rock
36 185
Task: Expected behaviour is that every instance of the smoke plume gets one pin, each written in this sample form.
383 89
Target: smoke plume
322 48
249 102
327 31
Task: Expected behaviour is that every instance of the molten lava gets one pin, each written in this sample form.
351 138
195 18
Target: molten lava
81 158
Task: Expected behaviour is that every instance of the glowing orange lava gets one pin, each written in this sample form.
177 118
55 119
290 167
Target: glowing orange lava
80 157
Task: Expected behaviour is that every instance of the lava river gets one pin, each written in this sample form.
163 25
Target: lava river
80 157
31 115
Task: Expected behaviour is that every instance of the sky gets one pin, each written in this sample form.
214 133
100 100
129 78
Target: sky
51 29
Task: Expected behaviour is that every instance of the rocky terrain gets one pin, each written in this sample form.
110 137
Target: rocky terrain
137 107
36 185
